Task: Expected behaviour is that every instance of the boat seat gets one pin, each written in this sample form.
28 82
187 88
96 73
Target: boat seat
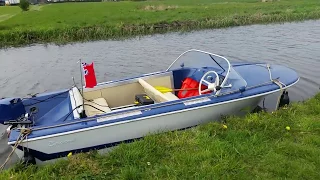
155 94
93 107
77 100
170 96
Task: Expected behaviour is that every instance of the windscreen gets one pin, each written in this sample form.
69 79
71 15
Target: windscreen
200 59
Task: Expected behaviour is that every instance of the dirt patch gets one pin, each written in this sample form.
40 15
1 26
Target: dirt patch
4 17
36 8
158 8
269 0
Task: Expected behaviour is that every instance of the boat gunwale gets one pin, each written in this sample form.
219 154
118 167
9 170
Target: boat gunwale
120 82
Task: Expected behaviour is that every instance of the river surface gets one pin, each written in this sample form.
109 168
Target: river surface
42 68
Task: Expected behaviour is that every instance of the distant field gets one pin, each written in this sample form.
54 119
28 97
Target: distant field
68 22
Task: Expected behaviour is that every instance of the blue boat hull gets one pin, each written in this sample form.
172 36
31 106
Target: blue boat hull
56 131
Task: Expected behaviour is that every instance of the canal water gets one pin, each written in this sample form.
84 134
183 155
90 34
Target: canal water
41 68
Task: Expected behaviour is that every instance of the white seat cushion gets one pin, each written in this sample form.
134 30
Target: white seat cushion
76 101
99 103
155 94
170 96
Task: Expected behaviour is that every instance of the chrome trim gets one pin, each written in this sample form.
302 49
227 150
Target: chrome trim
127 81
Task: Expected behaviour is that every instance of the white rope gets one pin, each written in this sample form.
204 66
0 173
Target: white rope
25 132
281 91
277 82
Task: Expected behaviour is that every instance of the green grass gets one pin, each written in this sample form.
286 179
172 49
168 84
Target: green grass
256 146
8 12
71 22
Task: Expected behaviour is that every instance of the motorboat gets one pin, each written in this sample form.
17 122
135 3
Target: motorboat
198 87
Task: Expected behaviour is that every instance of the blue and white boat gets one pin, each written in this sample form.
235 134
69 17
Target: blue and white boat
74 120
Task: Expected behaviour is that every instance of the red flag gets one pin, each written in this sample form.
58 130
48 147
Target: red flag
89 75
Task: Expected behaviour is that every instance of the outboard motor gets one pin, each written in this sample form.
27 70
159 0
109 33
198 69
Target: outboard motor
11 109
13 113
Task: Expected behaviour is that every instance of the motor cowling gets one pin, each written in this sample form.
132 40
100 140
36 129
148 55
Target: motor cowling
11 109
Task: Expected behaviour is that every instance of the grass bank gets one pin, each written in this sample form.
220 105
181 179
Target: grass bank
257 146
72 22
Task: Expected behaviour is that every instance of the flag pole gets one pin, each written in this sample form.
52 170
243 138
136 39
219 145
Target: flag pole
81 76
82 114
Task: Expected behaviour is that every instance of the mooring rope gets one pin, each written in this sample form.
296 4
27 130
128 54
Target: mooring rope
24 132
277 82
281 91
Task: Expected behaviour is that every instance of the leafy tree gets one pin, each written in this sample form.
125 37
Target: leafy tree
24 5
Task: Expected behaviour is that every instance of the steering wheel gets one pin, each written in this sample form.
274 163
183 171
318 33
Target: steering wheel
211 86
